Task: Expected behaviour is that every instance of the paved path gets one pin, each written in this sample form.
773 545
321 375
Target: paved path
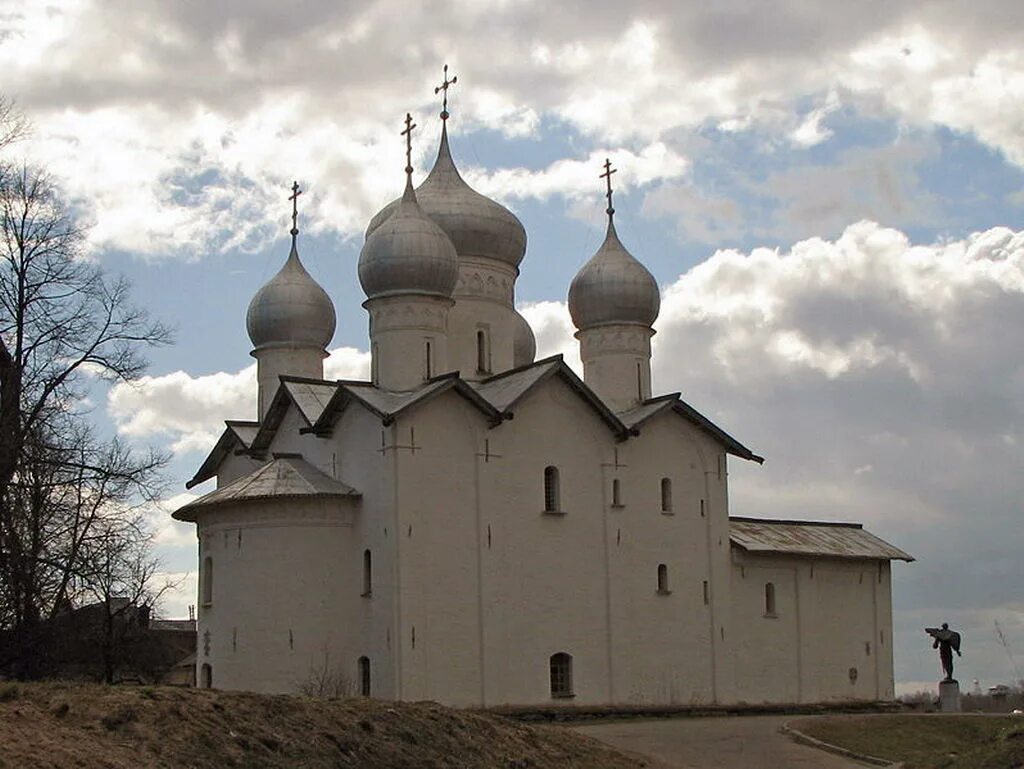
742 742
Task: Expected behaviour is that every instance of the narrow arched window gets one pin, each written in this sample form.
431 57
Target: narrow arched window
769 599
367 573
364 676
616 492
428 363
483 353
662 578
561 675
639 381
206 677
552 503
666 495
206 582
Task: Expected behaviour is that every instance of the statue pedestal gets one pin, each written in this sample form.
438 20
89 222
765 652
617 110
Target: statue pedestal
949 696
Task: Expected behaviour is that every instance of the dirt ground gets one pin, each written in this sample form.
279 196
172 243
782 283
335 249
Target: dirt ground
93 727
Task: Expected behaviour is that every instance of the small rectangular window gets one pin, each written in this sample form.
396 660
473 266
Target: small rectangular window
666 495
707 594
561 675
769 600
616 492
367 573
552 502
663 579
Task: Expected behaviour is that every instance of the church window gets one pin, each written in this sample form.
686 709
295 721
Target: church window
207 581
367 573
663 579
428 363
206 676
666 495
561 675
616 493
364 676
483 353
552 503
769 599
707 593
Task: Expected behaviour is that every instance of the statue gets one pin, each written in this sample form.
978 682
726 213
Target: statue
946 641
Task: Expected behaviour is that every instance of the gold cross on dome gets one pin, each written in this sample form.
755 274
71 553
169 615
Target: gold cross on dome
607 176
407 133
294 198
444 87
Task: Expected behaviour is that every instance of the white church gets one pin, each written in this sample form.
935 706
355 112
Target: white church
477 527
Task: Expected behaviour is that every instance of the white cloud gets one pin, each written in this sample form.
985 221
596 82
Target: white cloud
190 410
179 130
579 179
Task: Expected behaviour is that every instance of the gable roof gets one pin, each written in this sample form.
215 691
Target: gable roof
505 390
320 402
286 475
238 434
810 538
635 417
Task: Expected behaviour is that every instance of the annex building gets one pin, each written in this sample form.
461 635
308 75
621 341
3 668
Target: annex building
478 527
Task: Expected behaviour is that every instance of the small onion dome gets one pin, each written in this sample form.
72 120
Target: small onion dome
291 310
408 254
477 225
524 343
613 287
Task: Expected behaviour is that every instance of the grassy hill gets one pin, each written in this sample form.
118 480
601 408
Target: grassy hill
88 726
938 741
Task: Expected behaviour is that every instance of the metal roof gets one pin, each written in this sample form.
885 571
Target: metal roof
310 397
811 538
286 475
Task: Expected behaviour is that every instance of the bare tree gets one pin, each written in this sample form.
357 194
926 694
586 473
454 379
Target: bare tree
67 497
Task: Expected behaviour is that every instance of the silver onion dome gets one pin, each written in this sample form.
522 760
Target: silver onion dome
524 343
408 254
477 225
291 309
613 287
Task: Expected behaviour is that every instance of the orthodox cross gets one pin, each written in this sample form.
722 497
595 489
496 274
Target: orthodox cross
607 176
407 133
615 464
487 455
294 198
444 87
411 446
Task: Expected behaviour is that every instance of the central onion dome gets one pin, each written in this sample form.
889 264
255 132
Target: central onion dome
613 288
476 225
291 310
408 254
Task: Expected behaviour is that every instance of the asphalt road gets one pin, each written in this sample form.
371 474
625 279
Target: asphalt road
743 742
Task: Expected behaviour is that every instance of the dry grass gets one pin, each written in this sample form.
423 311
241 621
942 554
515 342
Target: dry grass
927 741
88 726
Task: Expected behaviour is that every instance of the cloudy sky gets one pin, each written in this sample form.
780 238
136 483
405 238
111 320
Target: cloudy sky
829 193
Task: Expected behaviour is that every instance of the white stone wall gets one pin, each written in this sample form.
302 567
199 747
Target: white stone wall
466 561
832 616
271 621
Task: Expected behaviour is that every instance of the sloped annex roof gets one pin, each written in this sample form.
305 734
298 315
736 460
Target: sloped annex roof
810 538
286 475
237 434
